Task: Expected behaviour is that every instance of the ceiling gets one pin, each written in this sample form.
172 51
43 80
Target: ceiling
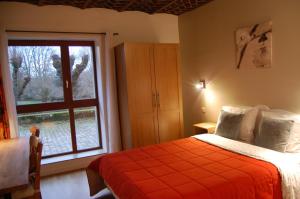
175 7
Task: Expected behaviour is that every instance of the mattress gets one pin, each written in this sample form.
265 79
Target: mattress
188 168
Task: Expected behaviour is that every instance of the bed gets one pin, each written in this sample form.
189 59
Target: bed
189 168
201 166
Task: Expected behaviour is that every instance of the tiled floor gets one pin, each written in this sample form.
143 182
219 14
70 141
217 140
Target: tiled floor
57 138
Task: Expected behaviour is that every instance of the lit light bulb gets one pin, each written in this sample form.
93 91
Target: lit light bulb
200 85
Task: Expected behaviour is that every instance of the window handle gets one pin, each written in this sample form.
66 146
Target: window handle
67 84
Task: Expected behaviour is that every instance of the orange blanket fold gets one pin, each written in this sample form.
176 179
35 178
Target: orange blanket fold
190 169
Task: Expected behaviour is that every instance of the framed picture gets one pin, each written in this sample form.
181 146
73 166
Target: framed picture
254 46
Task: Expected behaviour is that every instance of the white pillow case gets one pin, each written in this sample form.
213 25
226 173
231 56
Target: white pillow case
294 140
248 122
260 108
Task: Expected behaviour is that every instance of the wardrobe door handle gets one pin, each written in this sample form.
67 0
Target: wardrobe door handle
154 100
158 100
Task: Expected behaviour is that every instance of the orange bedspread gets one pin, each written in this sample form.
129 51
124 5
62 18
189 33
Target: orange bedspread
190 169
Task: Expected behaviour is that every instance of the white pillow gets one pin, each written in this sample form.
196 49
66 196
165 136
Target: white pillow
248 122
275 131
294 140
259 118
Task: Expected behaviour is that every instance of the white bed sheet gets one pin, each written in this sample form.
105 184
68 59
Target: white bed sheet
288 165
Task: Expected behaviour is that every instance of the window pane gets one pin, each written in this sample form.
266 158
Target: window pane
54 130
86 127
82 72
36 73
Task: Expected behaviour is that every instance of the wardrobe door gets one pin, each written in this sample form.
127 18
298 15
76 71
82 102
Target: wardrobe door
168 91
141 90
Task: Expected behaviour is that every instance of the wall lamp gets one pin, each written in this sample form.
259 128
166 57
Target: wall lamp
200 85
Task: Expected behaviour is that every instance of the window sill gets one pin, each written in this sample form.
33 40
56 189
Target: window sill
72 156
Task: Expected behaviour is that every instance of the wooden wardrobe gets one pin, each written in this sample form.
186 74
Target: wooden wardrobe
149 93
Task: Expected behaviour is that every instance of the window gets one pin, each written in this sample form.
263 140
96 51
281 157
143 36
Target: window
55 89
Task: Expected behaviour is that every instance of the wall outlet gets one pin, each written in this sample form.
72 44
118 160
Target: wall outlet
203 109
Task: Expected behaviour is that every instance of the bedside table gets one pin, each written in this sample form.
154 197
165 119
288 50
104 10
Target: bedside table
206 127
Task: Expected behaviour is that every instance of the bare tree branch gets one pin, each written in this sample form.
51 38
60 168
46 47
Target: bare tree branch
75 73
25 83
16 62
56 62
79 68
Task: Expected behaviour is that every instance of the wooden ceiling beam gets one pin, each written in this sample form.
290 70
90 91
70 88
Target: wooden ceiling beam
86 4
165 6
127 5
40 2
175 7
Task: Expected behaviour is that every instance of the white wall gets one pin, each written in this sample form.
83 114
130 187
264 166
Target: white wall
208 52
132 26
